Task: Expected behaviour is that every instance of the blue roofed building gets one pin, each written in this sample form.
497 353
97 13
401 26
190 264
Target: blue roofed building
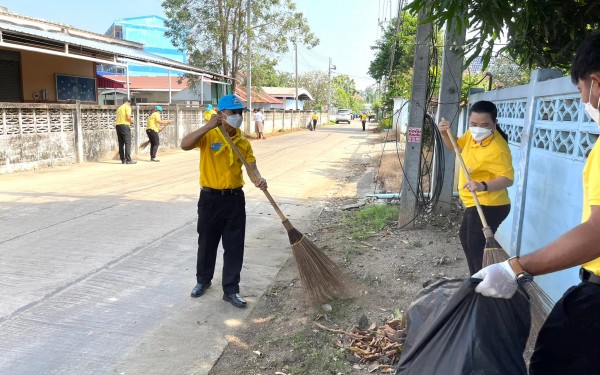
149 31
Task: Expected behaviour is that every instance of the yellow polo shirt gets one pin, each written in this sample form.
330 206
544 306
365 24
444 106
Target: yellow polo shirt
153 120
122 113
209 114
485 163
363 117
315 116
220 167
591 196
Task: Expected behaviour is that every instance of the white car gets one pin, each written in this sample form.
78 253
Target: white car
343 115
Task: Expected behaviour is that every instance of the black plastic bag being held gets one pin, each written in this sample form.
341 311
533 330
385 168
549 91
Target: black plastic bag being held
454 331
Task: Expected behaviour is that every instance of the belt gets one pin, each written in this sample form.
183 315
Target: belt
588 276
221 192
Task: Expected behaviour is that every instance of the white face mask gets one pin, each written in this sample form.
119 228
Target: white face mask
591 111
235 121
479 134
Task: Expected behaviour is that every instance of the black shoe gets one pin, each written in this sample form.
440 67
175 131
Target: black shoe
131 162
154 160
235 299
199 290
122 161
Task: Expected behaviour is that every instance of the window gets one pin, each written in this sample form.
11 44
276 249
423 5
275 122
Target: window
10 76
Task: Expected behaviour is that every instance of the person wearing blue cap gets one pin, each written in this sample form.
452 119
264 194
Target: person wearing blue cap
222 205
152 129
208 113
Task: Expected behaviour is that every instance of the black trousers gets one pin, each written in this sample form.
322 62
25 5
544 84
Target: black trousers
154 142
314 125
221 218
471 232
364 123
124 138
569 341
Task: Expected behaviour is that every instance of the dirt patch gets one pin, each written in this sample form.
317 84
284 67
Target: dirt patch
389 267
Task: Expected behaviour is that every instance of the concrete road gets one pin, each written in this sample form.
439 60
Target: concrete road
97 260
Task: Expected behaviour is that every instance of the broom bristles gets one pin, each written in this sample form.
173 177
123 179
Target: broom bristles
323 280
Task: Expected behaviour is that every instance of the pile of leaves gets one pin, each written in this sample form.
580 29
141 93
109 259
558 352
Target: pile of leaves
377 348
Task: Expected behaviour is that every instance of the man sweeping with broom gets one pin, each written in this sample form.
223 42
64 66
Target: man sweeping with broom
221 206
569 341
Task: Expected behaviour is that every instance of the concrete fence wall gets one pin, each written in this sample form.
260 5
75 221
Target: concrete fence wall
37 135
550 137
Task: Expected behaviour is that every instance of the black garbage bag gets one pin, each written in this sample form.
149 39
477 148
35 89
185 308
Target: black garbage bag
454 331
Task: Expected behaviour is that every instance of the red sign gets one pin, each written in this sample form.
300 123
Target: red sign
414 135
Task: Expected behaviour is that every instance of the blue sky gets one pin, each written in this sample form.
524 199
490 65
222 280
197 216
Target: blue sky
346 28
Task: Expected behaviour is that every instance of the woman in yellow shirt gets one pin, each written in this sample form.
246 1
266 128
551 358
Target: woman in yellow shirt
152 130
485 151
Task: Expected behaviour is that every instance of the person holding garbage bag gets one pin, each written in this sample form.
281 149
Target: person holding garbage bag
569 340
486 154
221 206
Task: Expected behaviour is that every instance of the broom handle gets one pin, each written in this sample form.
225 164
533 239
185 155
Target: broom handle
486 227
251 171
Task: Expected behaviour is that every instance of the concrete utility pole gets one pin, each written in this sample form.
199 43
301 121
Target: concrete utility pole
296 68
418 97
249 71
331 67
449 106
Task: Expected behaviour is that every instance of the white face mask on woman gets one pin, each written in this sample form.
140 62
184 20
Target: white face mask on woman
591 111
479 134
235 121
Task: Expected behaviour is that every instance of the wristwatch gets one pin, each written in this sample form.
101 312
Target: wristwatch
485 187
522 276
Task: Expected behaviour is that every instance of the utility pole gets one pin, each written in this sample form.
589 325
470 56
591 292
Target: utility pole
296 67
449 106
331 67
416 115
249 71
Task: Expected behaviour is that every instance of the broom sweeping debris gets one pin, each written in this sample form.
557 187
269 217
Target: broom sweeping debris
541 303
145 144
323 280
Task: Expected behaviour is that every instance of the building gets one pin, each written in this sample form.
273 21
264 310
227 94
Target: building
150 32
143 89
288 96
48 62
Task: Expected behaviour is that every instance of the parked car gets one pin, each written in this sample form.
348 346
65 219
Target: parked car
343 115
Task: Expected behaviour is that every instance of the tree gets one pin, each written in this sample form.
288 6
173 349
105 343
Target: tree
507 73
316 82
343 93
404 42
214 32
540 33
265 74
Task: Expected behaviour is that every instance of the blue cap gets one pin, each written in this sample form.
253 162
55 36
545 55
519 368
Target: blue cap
208 107
158 108
230 102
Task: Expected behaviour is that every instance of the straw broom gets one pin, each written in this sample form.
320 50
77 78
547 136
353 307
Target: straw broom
323 280
541 303
145 144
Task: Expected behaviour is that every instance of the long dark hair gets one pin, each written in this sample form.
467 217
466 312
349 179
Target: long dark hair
484 106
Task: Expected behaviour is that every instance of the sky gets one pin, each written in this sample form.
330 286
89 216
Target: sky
346 28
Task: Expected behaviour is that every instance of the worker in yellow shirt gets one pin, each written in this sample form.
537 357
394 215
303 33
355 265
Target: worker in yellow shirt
208 113
152 130
221 206
485 151
315 117
123 128
363 119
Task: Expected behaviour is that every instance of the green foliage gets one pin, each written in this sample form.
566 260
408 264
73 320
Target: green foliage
265 74
371 219
539 33
344 93
507 73
317 83
214 32
404 54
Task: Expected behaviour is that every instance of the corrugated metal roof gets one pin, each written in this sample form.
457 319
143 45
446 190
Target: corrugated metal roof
120 51
149 82
287 92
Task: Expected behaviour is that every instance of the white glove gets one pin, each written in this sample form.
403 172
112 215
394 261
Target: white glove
498 281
